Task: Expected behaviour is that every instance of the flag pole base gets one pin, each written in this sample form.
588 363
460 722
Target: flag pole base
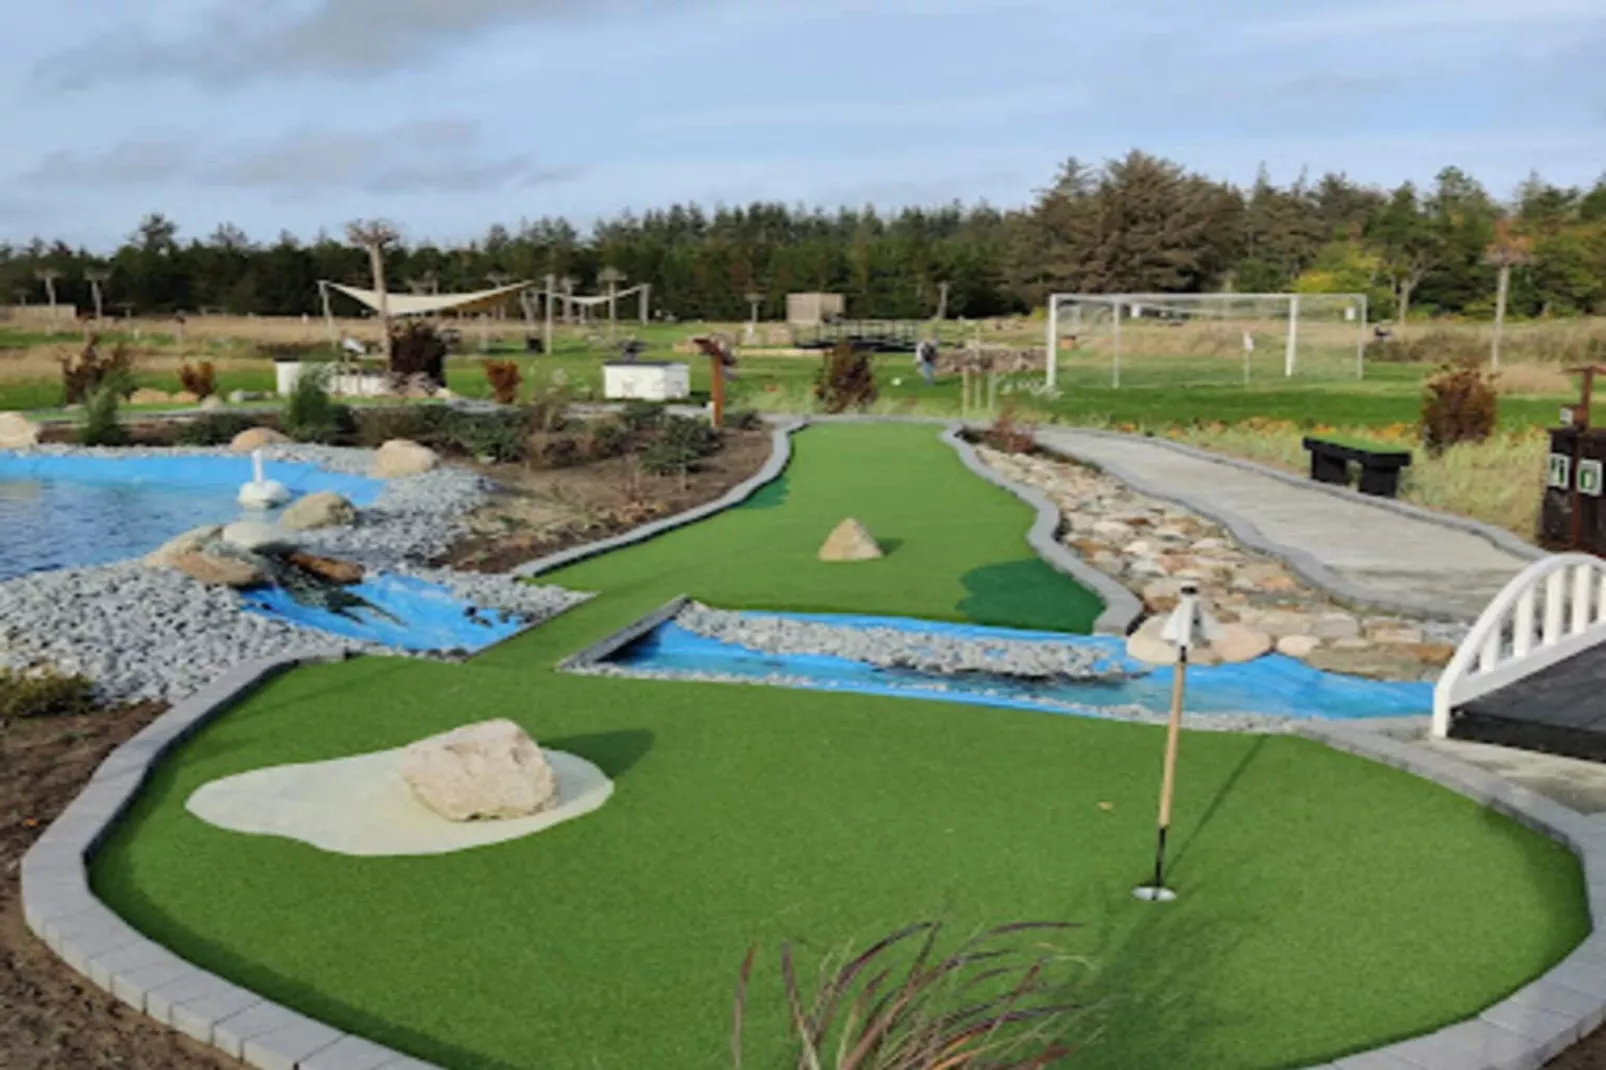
1151 894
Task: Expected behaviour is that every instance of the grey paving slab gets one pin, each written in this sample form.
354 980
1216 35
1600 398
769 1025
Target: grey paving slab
1556 998
193 986
285 1047
1552 1032
1371 1060
133 986
259 1019
96 935
199 1018
1358 550
132 956
351 1053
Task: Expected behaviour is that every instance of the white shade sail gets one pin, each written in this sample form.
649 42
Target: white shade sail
432 304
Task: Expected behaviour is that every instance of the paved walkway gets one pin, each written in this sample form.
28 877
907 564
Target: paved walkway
1357 549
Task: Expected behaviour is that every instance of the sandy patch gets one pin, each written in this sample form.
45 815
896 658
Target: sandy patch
362 806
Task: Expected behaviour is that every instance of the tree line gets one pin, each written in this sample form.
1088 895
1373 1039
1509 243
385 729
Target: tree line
1136 224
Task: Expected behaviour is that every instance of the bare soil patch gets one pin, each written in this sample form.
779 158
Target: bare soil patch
543 510
51 1018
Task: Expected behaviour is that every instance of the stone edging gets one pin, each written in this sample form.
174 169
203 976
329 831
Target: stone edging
62 910
1306 564
1121 607
780 455
1545 1017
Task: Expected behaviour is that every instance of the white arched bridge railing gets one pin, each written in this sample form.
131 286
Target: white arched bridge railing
1551 610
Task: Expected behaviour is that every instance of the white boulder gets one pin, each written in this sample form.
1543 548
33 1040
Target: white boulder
492 769
257 536
402 457
324 509
17 432
254 438
189 542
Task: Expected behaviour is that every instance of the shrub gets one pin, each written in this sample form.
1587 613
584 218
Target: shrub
417 349
44 694
502 437
664 458
310 414
605 438
200 380
548 409
986 1006
693 436
1460 404
212 429
1008 436
643 415
744 420
505 379
847 379
84 375
100 427
421 423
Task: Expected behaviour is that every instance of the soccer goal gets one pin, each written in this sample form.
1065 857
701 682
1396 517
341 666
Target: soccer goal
1204 339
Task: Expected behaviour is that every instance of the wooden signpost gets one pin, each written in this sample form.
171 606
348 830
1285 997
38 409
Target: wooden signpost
720 358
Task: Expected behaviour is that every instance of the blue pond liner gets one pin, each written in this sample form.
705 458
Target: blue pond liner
429 617
1273 686
198 471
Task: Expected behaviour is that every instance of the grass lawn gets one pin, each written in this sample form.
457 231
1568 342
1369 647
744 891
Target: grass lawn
1325 901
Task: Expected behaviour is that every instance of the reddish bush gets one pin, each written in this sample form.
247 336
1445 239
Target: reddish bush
1460 405
505 379
84 373
1008 436
200 380
847 379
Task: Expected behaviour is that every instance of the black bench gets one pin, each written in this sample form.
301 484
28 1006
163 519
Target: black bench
1380 469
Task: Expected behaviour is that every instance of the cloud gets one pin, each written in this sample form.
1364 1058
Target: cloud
236 44
434 155
913 110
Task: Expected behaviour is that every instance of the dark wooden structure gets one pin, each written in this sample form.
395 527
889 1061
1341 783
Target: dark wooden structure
877 336
1571 516
1380 469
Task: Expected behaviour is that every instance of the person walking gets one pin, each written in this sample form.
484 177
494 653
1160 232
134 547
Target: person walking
926 360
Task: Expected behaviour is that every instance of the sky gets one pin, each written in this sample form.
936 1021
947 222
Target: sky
446 116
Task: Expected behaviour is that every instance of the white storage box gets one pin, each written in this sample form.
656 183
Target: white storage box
646 380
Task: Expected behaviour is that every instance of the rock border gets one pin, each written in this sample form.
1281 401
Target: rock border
1122 608
1301 561
61 909
780 456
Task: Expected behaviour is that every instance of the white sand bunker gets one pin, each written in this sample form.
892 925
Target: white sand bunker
363 806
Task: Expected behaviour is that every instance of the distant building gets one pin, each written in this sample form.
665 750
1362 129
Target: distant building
811 310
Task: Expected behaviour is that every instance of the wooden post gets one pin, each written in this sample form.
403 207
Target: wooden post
1580 426
964 392
1168 781
992 390
546 341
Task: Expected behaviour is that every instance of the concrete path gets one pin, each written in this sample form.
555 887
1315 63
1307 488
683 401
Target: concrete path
1362 550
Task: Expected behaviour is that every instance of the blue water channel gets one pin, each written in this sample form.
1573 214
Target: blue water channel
406 614
1274 685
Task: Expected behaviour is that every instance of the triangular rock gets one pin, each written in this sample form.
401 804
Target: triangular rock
851 541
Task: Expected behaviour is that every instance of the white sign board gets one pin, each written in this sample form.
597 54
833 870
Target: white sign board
1589 478
1560 469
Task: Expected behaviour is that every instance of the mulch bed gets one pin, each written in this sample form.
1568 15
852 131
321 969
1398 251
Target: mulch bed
544 510
52 1018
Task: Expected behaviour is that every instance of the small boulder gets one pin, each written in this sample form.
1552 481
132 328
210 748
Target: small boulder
1148 644
184 397
239 397
324 509
211 403
1336 626
187 543
219 570
1297 646
17 432
492 769
146 396
401 457
851 541
1113 531
1238 643
254 438
256 536
332 569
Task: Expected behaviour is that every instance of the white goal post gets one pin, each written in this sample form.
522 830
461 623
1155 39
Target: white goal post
1222 335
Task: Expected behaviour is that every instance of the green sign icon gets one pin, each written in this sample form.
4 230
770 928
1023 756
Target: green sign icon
1589 478
1560 468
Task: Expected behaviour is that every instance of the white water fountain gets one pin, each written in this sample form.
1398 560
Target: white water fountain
262 493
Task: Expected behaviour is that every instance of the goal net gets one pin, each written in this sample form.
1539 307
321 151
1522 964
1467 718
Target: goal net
1125 340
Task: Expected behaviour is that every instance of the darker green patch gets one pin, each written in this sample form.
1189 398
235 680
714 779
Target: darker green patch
1028 594
771 495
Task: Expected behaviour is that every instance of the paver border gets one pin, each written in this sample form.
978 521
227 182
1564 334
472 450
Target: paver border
1122 609
60 908
1306 564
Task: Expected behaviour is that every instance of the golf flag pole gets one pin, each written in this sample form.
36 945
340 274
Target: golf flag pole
1188 622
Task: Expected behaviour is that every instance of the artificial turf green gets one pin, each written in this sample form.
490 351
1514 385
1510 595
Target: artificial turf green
1327 904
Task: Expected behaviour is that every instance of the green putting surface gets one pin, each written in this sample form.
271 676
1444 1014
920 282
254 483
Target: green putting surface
1327 904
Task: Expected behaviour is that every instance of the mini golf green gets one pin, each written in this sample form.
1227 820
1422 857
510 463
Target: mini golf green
1327 904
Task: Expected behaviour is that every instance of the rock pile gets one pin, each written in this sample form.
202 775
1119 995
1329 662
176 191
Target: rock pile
1153 547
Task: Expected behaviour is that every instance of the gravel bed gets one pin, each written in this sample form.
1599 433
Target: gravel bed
155 634
891 648
1131 713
